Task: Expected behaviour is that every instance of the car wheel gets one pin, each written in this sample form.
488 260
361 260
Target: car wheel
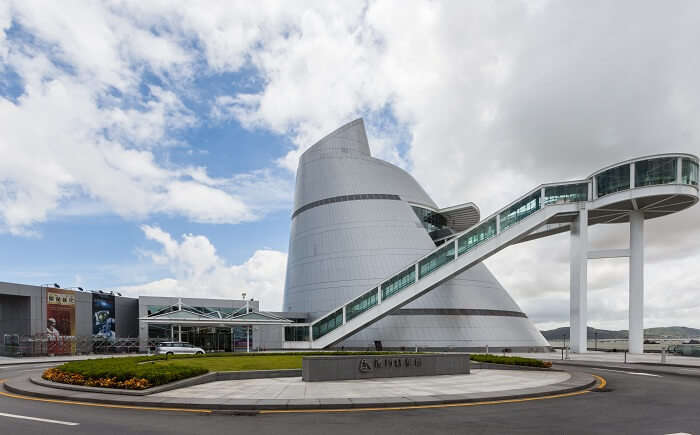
199 352
168 354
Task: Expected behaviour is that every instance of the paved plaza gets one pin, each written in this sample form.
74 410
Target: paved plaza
479 381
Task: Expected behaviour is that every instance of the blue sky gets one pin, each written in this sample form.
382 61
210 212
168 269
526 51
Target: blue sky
152 147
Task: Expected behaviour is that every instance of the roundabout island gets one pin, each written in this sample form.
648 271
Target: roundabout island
286 382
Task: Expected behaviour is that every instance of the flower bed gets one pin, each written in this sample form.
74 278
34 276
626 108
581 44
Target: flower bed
124 373
57 375
511 360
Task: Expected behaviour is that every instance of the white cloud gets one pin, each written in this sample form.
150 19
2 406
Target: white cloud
199 271
87 129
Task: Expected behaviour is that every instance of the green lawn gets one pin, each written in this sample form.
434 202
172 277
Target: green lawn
235 363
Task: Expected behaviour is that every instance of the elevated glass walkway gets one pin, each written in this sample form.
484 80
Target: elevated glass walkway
656 185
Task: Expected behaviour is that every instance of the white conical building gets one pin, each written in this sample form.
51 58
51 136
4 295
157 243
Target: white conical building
358 220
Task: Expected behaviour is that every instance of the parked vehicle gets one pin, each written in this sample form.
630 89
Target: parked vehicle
176 347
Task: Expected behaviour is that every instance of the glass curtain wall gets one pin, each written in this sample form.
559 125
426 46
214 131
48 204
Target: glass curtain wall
613 180
655 171
689 172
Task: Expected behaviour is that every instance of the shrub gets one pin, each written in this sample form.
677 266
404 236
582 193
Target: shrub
511 360
119 373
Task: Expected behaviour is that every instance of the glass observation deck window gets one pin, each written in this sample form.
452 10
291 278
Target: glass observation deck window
398 282
296 333
520 210
434 223
689 172
362 304
655 171
327 324
436 260
613 180
479 234
565 193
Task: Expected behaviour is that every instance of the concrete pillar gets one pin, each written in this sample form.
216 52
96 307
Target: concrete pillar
636 310
179 332
578 300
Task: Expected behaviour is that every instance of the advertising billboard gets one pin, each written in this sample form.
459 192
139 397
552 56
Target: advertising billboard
60 313
103 319
60 320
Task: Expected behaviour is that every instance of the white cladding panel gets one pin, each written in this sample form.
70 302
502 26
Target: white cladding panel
339 250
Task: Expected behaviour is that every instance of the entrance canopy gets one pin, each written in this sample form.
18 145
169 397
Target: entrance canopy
185 315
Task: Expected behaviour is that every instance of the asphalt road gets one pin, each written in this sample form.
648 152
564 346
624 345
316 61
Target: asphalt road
637 404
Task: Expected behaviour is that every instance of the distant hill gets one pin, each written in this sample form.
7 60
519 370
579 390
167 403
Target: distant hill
669 331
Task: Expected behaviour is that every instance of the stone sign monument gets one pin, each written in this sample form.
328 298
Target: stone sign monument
333 368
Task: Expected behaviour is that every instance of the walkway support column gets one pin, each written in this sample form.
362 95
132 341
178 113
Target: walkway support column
636 311
578 299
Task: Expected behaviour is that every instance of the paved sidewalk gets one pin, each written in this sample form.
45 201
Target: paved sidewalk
58 358
479 381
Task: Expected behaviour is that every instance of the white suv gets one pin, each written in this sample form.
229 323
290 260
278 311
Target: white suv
176 347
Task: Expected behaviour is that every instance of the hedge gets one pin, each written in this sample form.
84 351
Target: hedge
511 360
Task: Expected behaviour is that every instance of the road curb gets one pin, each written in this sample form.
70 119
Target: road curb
630 367
24 386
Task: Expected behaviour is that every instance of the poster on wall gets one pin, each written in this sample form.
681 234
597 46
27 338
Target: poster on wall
103 326
60 320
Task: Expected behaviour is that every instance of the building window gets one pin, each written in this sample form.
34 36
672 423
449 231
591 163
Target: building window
434 223
613 180
655 171
296 333
689 172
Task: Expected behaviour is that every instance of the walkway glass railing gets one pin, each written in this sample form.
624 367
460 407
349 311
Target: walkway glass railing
613 180
520 210
436 260
398 282
653 171
362 304
564 193
327 324
474 237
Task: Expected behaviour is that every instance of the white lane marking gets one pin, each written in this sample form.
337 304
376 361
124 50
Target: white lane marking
44 420
679 433
631 373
